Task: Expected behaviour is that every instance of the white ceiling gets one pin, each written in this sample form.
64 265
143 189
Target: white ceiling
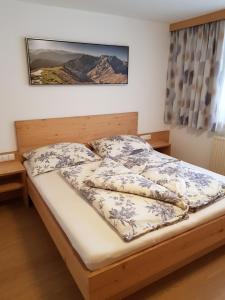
159 10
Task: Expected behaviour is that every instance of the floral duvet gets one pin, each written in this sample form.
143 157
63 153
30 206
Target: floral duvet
128 201
196 188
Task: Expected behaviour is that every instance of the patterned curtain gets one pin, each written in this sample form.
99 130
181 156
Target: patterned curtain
193 70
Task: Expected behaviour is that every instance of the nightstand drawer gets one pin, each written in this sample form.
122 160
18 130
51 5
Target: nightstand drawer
161 146
12 179
159 141
10 186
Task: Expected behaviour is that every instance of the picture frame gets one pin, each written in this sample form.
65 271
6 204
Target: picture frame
54 62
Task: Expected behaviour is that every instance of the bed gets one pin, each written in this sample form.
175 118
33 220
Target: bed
118 275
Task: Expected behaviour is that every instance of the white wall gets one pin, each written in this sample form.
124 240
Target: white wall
145 92
191 145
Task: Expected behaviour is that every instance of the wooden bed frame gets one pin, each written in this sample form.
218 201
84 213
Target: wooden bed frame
128 275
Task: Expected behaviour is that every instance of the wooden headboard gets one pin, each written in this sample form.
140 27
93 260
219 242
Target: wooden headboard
32 134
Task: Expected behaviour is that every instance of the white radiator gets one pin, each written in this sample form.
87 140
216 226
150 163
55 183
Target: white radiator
217 159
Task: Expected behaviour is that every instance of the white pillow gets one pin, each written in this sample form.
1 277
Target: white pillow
56 156
120 145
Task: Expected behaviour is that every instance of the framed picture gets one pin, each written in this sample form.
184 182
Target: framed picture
57 62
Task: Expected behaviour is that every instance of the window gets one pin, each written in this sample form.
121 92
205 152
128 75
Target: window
220 97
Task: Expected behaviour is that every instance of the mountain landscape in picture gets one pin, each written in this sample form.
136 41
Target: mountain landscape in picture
90 66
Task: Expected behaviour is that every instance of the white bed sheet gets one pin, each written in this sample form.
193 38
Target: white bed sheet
96 242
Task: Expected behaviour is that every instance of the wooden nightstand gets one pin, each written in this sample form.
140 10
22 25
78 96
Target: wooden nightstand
13 178
159 141
161 146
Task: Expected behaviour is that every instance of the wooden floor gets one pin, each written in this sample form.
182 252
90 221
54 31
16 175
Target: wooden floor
32 269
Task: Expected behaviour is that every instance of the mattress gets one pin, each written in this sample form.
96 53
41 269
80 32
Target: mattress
93 239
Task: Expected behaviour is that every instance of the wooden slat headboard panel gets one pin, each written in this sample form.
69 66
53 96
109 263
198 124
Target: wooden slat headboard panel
32 134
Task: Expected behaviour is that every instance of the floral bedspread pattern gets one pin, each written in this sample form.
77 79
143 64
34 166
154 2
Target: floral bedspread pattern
56 156
130 203
139 162
196 188
120 145
114 177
